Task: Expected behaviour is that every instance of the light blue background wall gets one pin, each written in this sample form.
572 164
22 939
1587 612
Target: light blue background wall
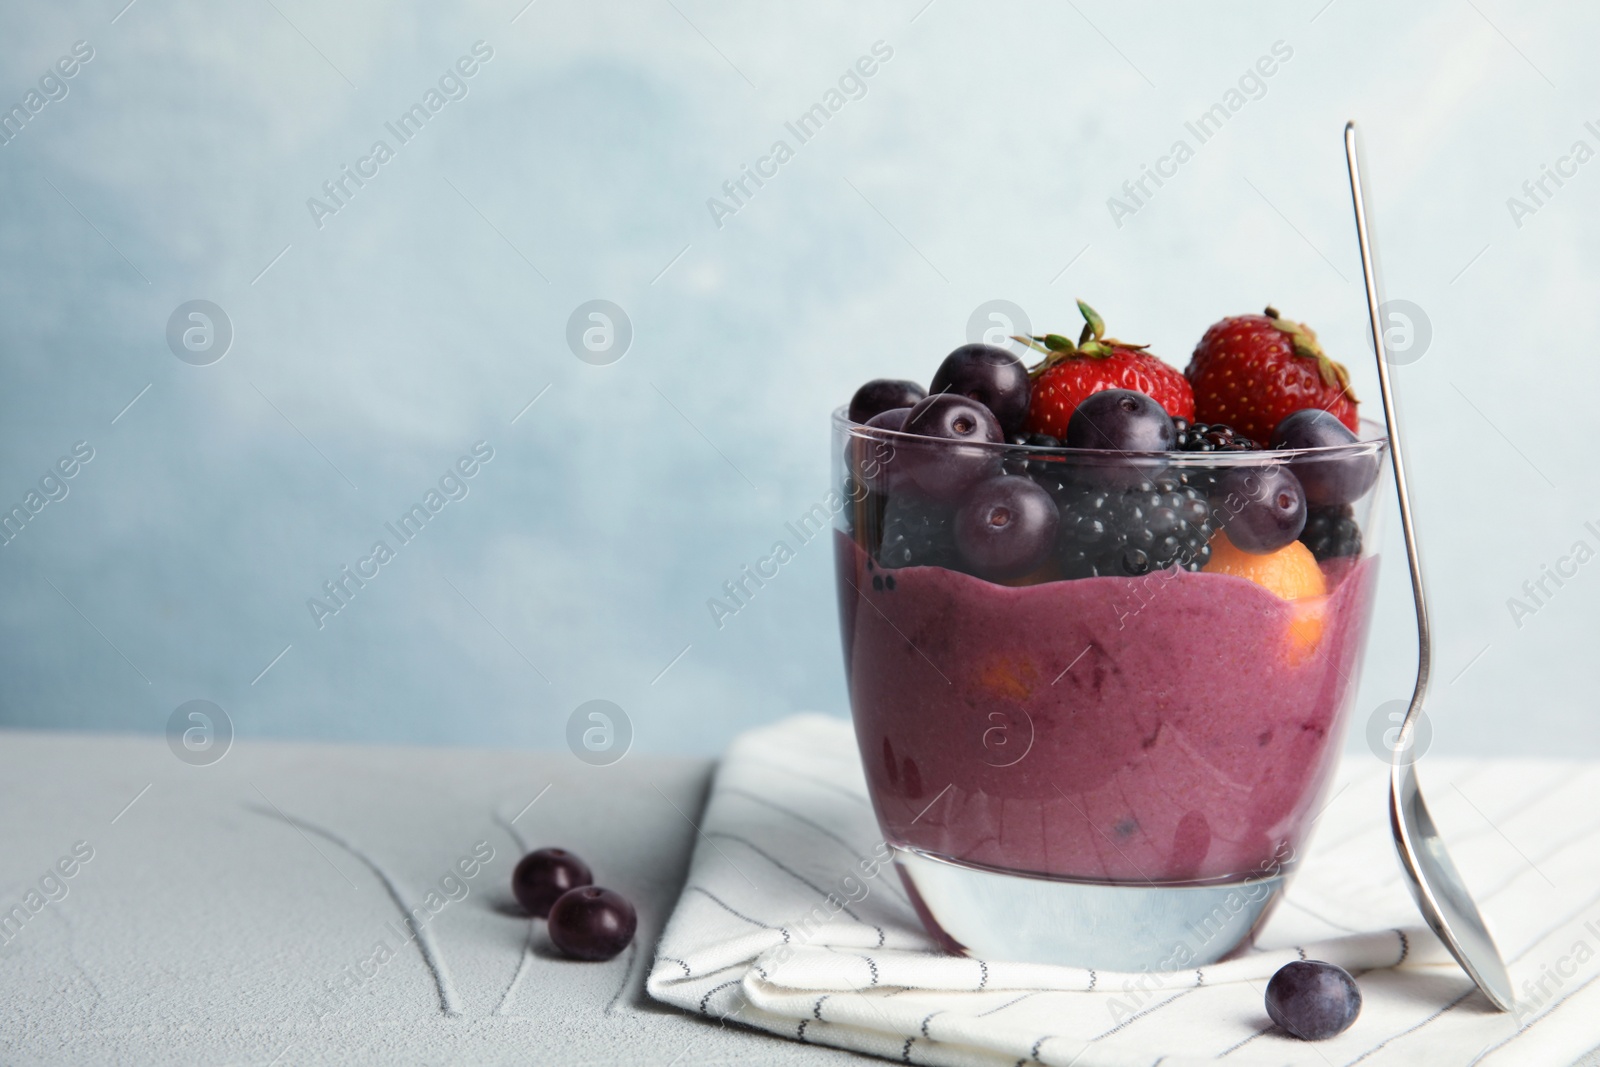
425 314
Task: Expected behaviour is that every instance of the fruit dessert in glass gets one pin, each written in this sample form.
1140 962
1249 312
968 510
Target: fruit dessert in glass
1099 653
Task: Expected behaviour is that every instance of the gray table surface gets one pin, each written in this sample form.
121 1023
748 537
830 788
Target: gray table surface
221 901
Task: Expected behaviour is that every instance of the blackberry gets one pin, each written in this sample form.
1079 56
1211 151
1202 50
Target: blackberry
1209 437
1066 482
1019 463
1331 531
917 533
1158 523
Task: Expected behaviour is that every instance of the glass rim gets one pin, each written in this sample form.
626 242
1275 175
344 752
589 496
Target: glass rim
1372 441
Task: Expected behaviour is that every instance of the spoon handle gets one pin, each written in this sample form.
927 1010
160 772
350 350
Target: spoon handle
1402 746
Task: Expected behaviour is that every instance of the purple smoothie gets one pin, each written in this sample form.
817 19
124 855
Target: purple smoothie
1170 728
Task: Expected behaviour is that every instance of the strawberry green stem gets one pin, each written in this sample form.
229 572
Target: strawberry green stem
1091 344
1334 375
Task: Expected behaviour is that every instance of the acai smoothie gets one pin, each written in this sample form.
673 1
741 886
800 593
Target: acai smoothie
1171 728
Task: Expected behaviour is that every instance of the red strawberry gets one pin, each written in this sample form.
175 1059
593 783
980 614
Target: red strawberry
1253 371
1070 372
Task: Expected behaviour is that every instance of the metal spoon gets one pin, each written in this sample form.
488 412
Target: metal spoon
1435 883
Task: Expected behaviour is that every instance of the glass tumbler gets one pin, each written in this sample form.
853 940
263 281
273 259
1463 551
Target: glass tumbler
1111 759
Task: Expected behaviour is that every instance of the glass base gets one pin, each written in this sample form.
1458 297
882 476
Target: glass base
1005 915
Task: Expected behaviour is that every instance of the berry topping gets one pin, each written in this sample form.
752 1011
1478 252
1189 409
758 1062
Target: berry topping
1209 437
884 394
590 923
992 376
1070 372
1157 523
1252 371
1313 1000
1327 479
543 875
1331 532
1290 573
1067 470
1122 420
1262 508
942 469
1006 528
916 533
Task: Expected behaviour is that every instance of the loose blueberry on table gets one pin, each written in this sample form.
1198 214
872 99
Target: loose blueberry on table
591 923
584 921
543 875
1313 1000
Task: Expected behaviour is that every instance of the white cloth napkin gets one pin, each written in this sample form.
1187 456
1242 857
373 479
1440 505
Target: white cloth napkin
793 921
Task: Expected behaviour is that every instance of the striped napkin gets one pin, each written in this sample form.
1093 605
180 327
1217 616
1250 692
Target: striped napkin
793 921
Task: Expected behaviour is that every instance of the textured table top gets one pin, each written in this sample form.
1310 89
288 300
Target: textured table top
232 913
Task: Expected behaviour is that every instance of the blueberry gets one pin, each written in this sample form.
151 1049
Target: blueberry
992 376
872 455
1261 508
1311 428
893 419
884 394
1006 528
955 456
1313 1000
1119 429
543 875
953 418
1327 479
590 923
1121 420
